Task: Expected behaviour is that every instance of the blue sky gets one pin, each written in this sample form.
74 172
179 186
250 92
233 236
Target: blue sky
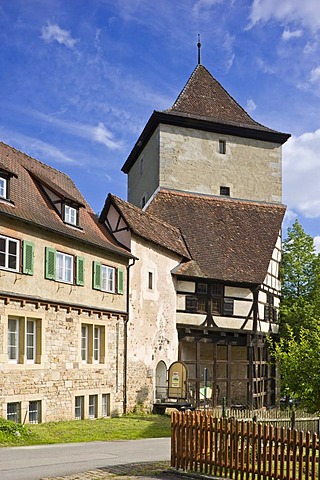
80 78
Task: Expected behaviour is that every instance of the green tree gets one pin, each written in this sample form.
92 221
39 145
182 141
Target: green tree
298 264
297 351
299 363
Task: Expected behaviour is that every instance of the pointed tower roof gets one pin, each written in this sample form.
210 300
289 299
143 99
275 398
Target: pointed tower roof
203 97
204 104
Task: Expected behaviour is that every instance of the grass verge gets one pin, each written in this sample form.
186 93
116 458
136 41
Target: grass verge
128 427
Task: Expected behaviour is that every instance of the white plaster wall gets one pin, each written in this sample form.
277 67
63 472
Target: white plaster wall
152 335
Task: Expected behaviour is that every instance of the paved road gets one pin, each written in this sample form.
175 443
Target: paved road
34 463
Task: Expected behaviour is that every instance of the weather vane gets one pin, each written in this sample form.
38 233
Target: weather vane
199 47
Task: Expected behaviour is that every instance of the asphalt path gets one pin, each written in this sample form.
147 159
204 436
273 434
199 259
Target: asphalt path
36 462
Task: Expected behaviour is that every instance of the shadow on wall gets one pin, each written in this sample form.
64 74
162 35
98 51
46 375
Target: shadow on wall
142 399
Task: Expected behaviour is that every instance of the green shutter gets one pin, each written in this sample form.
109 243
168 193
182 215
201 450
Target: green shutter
80 271
97 275
120 280
50 270
28 249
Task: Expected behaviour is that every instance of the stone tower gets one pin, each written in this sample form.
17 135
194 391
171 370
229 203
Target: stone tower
206 143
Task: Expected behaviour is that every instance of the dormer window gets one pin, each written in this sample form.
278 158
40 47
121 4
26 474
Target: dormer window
70 215
3 187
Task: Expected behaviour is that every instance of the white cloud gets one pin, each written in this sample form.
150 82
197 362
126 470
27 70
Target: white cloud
315 75
301 174
251 106
204 5
52 33
306 12
316 242
36 148
98 133
287 34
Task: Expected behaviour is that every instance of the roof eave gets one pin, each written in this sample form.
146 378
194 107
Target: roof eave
199 124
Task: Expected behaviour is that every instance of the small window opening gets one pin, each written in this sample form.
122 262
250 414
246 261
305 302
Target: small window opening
141 166
222 147
143 201
150 280
225 191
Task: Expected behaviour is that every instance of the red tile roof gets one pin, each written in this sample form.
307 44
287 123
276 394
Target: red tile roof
148 226
229 240
204 97
29 203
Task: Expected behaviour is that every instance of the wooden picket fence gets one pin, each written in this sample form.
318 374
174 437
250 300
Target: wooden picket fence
242 450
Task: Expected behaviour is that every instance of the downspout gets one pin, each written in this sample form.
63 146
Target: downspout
125 340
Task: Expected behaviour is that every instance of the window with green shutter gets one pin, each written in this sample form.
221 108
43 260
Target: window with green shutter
80 271
50 267
28 249
97 275
120 281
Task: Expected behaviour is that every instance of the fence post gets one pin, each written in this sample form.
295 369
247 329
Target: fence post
293 419
224 407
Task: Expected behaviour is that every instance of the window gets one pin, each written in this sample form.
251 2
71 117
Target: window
92 343
150 280
79 408
191 304
202 288
70 215
222 146
14 412
13 340
141 166
143 201
35 411
195 304
85 343
216 299
60 267
105 407
64 267
31 341
97 343
9 253
108 278
93 406
225 191
24 340
3 187
228 306
270 311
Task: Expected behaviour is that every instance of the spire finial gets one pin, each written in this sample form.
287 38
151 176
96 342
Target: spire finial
199 47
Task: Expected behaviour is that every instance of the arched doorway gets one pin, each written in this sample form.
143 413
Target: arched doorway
161 382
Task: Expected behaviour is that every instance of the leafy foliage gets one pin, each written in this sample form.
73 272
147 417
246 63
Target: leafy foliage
297 351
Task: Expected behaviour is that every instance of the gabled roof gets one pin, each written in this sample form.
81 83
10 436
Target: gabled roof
229 240
147 226
29 203
204 104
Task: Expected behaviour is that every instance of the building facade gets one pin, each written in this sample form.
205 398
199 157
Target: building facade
207 169
62 299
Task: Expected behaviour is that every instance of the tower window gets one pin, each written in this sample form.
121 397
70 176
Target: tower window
222 146
143 201
225 191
